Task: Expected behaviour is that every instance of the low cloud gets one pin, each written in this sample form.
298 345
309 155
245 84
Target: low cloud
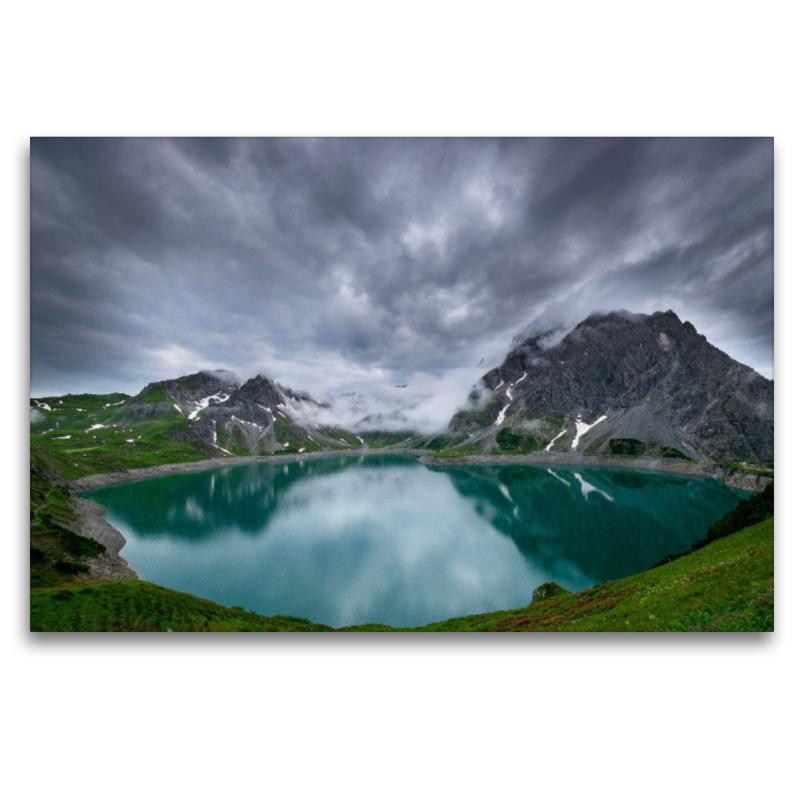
425 404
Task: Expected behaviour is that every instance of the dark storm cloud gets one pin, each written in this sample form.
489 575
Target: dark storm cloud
332 263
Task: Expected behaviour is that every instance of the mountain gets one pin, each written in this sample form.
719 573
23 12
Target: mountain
622 384
618 384
257 417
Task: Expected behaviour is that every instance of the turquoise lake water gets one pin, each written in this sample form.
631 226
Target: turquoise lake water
382 538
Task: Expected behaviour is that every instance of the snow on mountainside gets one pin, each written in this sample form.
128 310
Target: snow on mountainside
623 384
618 384
254 418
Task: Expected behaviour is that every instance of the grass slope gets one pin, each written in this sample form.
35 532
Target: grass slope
726 586
57 553
83 434
141 606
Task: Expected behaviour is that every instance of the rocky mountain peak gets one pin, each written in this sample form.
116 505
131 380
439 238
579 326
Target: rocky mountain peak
685 390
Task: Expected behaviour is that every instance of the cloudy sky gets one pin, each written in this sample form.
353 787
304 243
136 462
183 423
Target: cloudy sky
333 265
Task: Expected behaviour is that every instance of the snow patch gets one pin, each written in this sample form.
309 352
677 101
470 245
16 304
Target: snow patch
96 427
502 415
177 408
583 428
268 410
220 397
554 440
69 436
43 405
245 422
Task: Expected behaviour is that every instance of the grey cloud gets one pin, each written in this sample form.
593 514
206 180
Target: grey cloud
360 259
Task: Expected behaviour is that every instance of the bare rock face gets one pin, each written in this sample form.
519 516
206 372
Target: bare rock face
654 379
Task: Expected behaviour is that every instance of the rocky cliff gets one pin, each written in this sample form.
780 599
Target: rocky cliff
624 384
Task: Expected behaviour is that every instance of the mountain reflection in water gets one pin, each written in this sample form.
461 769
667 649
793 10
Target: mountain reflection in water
380 538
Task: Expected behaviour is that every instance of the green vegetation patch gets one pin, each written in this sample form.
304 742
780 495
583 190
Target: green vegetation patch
518 441
141 606
747 512
87 434
471 449
671 452
155 394
627 447
441 442
56 553
546 591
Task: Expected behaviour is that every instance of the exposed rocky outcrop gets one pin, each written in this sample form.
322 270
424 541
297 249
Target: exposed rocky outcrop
109 565
655 379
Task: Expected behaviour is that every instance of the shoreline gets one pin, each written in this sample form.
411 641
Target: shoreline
96 481
737 478
112 566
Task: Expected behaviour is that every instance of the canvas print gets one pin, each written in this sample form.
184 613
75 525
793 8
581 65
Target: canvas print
401 384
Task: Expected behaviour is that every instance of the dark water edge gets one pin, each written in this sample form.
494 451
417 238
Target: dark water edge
382 538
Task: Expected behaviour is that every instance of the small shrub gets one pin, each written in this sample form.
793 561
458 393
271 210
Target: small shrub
626 447
70 567
518 441
671 452
746 513
546 591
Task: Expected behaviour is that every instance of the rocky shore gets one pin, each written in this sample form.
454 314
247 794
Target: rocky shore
109 565
737 478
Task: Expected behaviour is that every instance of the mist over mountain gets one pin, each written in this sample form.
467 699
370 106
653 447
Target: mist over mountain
618 384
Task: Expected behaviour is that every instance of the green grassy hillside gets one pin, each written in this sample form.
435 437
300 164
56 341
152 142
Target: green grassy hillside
58 554
79 435
141 606
726 586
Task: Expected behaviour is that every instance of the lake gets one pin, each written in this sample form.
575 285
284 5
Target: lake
382 538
